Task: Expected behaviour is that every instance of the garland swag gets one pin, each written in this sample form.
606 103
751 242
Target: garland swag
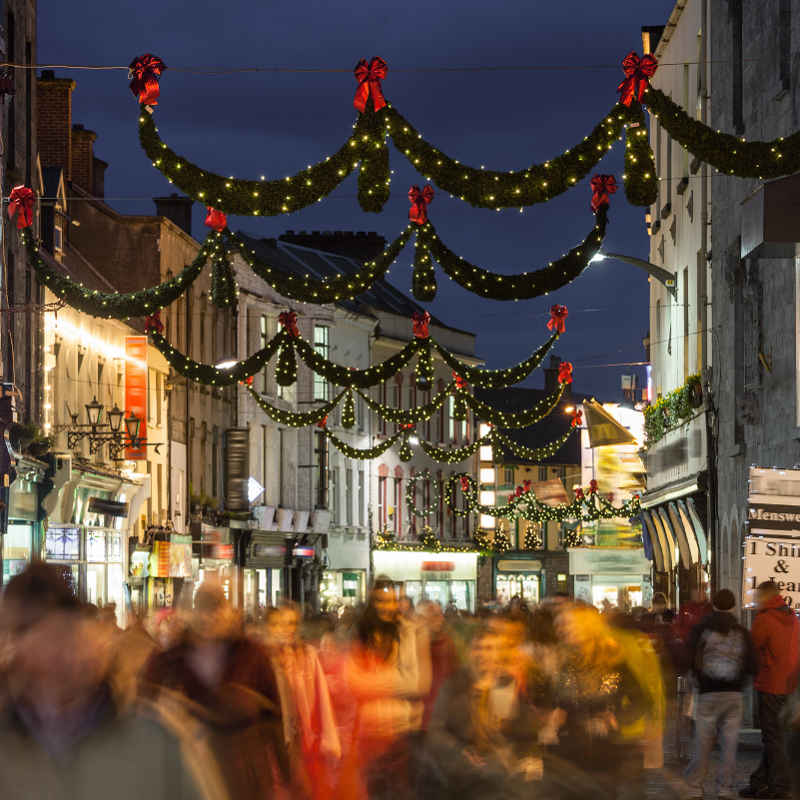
296 419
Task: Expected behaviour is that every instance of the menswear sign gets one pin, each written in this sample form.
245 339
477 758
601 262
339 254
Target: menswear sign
772 544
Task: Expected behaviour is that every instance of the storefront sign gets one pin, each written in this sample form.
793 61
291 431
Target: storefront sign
438 566
589 560
180 556
237 469
406 565
136 389
771 558
678 455
518 565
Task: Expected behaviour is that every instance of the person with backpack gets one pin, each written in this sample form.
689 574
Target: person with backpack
722 658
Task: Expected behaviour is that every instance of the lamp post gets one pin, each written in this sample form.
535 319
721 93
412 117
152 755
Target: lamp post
663 276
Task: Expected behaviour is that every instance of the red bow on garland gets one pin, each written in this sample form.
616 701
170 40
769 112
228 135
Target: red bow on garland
323 422
407 426
288 319
579 493
248 381
464 483
638 72
592 486
603 186
558 319
143 74
153 323
565 372
419 199
460 382
216 219
420 321
577 418
369 77
527 485
20 204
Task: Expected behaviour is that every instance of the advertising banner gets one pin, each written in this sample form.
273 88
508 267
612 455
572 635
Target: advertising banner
136 389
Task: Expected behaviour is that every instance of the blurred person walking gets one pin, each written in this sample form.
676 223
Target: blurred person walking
775 633
723 659
62 733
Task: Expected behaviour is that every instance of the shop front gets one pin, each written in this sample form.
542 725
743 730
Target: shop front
446 578
160 571
530 578
264 561
617 577
344 580
213 557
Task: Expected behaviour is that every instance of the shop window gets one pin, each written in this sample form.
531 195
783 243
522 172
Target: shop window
322 348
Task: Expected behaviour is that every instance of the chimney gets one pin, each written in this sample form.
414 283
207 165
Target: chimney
54 121
551 374
99 168
83 157
176 208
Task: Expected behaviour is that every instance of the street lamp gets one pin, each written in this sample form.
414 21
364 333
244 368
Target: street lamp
115 418
663 276
132 423
93 411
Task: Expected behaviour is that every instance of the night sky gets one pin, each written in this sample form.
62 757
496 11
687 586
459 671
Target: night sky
275 123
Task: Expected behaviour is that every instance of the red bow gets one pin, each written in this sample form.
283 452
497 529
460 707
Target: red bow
419 199
464 483
153 323
603 186
638 72
527 485
369 77
579 493
460 382
216 219
248 381
407 426
288 319
577 418
20 204
557 321
421 320
143 74
323 422
592 486
565 372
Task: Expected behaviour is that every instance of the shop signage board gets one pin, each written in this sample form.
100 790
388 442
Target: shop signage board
772 544
136 389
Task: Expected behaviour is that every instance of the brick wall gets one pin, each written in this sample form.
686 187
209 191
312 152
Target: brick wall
83 157
54 121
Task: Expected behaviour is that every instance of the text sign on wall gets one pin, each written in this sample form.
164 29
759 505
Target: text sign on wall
136 389
772 558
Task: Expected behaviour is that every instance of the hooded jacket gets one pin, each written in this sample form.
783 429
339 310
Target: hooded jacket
775 636
721 653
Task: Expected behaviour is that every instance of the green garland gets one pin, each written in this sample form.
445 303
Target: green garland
411 503
330 290
374 177
360 378
349 410
223 291
729 154
280 196
286 368
641 180
534 454
513 419
496 378
537 183
365 454
295 419
452 455
424 371
407 416
522 286
385 540
116 305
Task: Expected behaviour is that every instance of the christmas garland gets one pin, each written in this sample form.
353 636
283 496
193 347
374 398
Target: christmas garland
522 286
513 419
363 454
295 419
537 183
282 195
308 290
729 154
210 375
223 291
534 454
385 540
411 491
496 378
406 416
116 305
453 455
641 180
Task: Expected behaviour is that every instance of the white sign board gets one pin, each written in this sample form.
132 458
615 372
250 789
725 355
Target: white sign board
771 558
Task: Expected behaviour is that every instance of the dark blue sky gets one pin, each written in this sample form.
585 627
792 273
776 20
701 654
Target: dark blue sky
275 123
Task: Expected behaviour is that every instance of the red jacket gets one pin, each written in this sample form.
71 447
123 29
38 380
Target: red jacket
775 635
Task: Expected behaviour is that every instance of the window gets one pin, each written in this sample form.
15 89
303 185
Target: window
396 401
203 312
362 500
159 489
263 342
264 457
215 462
451 419
383 393
321 452
441 417
381 502
333 495
542 473
426 399
360 412
151 395
508 476
348 493
321 347
397 519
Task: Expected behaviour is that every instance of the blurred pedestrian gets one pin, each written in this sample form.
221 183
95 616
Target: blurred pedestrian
723 659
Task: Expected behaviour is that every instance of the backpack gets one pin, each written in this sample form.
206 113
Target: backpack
721 656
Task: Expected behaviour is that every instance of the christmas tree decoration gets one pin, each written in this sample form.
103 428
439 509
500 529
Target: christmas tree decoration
319 416
513 419
209 375
533 537
286 368
223 292
641 179
573 537
577 418
348 410
329 290
522 286
501 542
425 478
638 72
429 540
565 372
420 324
114 305
144 73
20 206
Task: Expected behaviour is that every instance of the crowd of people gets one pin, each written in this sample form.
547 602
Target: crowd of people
385 701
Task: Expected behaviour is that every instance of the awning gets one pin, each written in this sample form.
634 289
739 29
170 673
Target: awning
660 539
682 536
603 428
661 518
699 531
651 535
691 536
